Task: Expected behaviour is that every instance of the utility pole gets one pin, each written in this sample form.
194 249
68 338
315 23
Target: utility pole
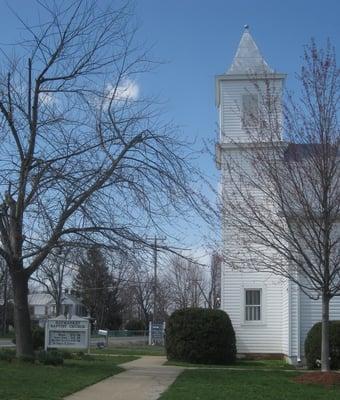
155 271
154 319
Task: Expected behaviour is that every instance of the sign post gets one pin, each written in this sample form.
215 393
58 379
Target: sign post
72 333
156 333
105 333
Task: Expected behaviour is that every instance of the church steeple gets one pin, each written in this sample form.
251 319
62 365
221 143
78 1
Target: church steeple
239 91
248 59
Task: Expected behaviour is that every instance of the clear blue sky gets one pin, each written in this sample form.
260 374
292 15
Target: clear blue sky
197 40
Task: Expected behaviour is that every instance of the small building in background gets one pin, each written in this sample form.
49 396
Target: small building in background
42 306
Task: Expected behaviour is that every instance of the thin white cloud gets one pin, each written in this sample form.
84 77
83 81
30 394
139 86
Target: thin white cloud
126 90
47 98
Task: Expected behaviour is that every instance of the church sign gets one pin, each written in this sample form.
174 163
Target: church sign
156 333
67 333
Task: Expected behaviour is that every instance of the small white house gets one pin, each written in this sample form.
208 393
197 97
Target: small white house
270 315
42 306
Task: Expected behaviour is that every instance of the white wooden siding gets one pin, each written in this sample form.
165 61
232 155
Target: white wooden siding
286 322
254 337
230 111
294 311
269 335
39 310
230 107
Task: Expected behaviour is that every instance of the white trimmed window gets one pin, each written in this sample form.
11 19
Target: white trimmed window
253 305
250 110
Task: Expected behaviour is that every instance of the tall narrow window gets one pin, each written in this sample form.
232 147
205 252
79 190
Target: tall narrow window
250 111
253 305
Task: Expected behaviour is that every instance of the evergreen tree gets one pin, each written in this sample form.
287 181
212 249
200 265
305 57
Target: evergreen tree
98 290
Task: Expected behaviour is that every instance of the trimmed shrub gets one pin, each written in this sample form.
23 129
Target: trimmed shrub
27 359
51 357
313 345
7 355
199 335
67 355
38 337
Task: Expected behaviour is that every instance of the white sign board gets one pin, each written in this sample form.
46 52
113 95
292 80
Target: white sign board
67 333
156 333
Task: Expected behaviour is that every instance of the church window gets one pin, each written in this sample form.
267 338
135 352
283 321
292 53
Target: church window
250 111
253 305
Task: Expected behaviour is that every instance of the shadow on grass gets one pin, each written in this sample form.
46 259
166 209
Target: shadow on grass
22 381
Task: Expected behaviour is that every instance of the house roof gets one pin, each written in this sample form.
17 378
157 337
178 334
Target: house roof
39 299
248 59
43 299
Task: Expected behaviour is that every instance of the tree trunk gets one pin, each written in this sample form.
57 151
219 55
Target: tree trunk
22 321
325 360
5 304
57 307
58 295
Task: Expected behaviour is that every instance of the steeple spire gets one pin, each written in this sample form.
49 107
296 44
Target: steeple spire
248 59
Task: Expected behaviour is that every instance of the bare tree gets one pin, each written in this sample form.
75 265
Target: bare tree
142 288
187 283
55 274
214 295
164 300
138 289
82 156
282 206
5 296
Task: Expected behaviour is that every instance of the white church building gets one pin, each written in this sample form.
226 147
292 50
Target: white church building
270 314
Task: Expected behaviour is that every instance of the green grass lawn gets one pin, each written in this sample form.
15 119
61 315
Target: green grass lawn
23 381
132 350
246 364
210 384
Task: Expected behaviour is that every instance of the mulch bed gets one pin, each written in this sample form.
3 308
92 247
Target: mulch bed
320 378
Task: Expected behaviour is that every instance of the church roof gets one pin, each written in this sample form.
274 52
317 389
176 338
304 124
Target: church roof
301 151
248 59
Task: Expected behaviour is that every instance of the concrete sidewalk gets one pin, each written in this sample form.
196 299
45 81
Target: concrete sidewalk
144 379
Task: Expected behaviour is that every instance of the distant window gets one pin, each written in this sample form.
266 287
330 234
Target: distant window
250 111
253 305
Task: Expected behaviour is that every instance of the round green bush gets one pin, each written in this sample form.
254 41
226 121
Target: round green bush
313 345
199 335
